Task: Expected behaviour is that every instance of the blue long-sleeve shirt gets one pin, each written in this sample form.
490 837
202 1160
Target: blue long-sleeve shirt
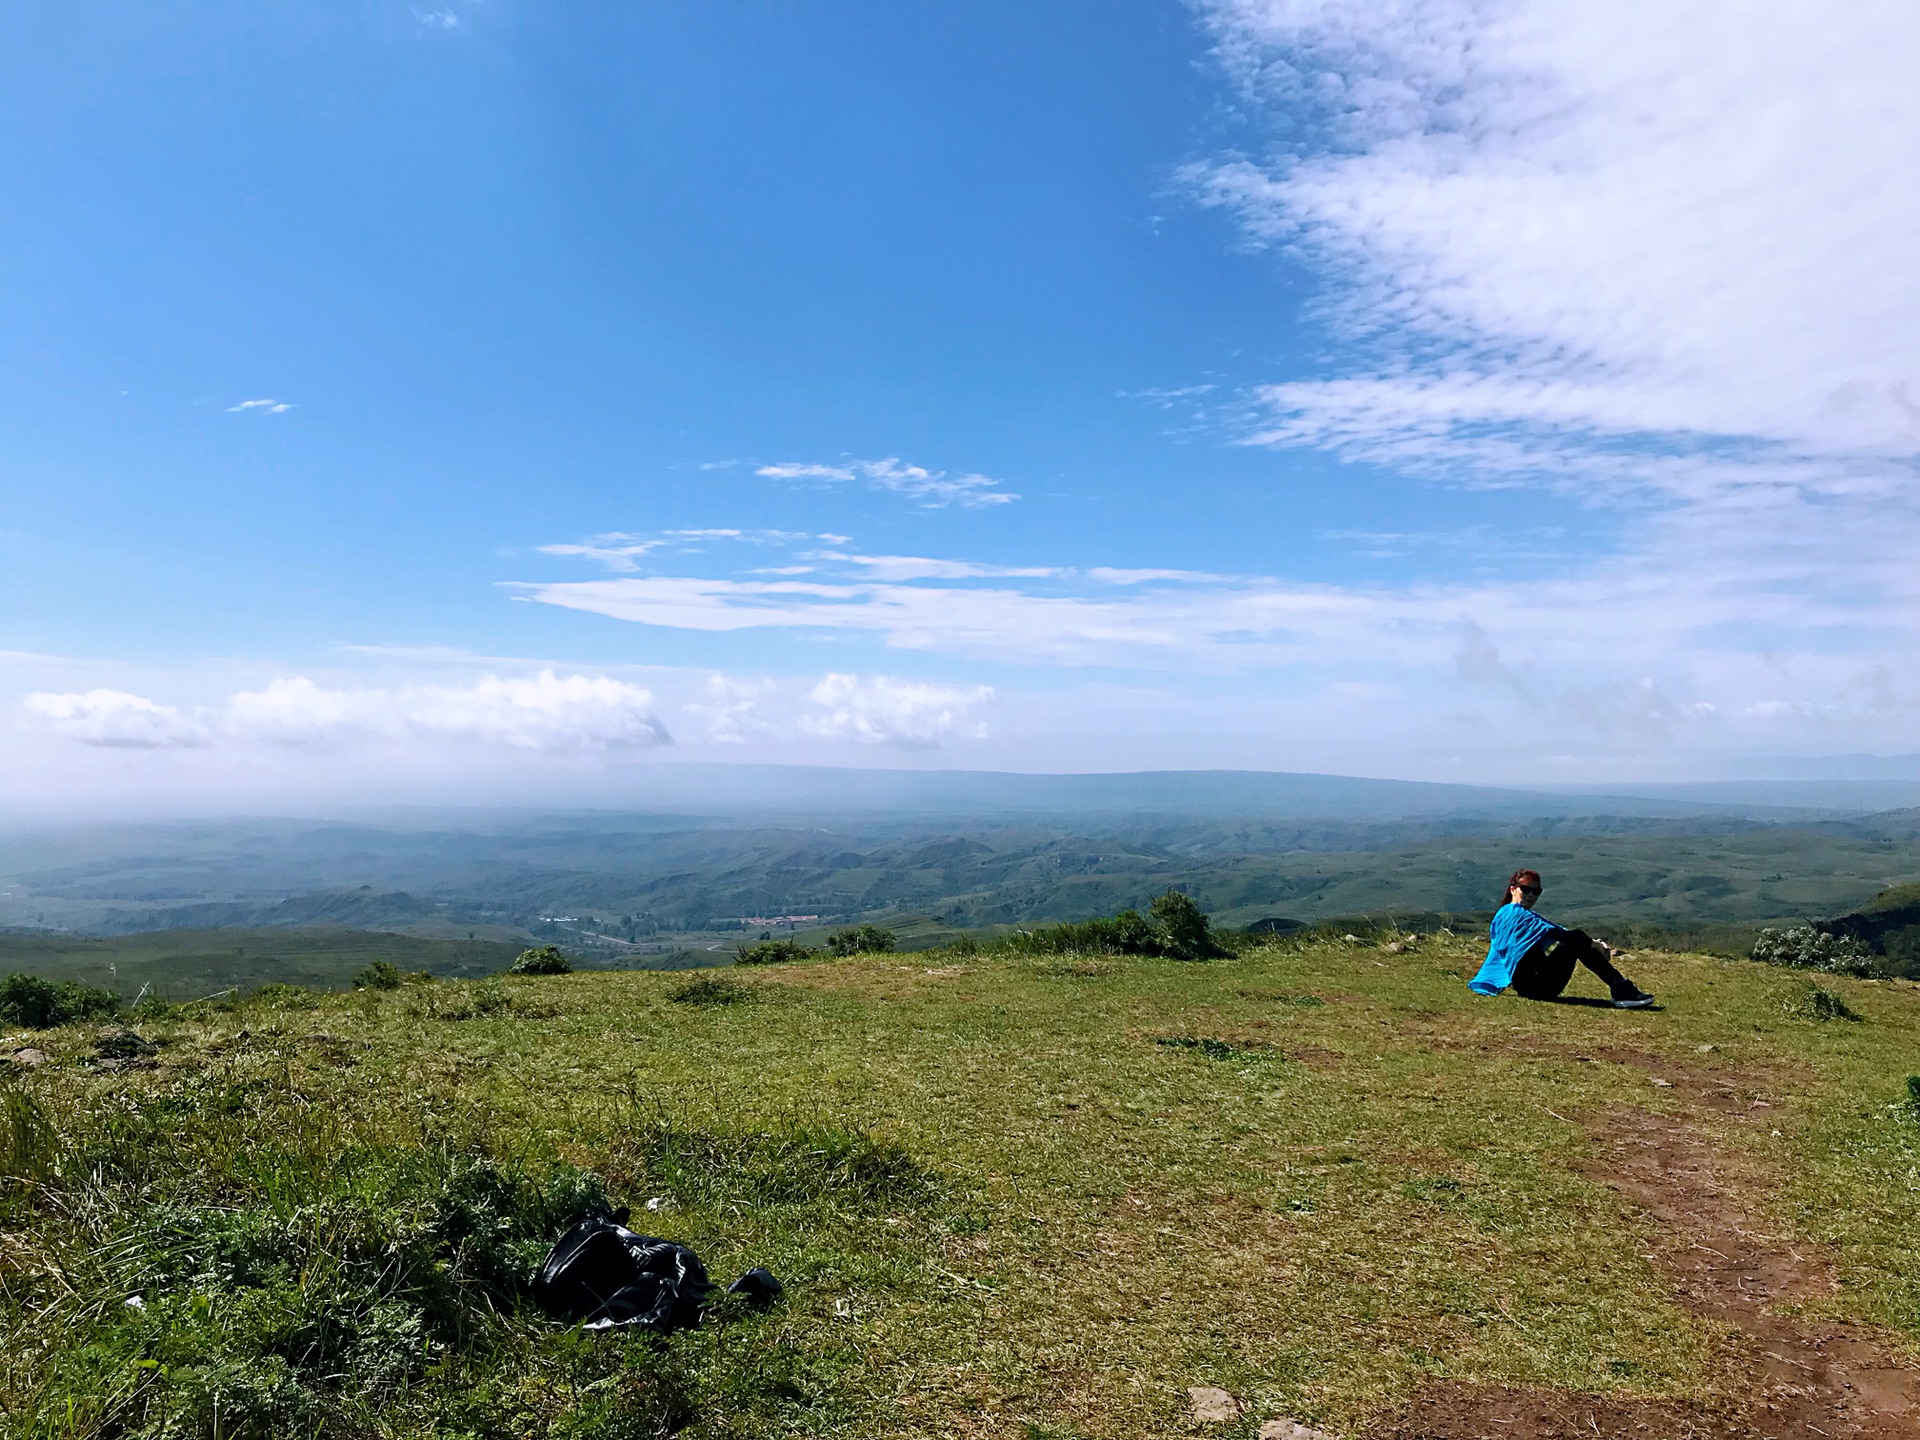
1515 930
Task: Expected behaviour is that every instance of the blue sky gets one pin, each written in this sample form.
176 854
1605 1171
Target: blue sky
511 395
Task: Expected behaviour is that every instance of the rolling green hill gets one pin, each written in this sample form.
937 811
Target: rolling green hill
1076 1197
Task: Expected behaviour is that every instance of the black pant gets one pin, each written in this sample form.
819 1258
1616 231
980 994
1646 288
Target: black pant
1545 969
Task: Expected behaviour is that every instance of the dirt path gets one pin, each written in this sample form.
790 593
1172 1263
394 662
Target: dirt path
1798 1379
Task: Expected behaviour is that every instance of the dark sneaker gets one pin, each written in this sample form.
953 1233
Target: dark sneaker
1632 1000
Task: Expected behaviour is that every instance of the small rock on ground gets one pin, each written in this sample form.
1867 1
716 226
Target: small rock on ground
1212 1404
1291 1430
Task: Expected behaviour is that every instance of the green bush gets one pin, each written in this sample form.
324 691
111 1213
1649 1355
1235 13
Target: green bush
380 975
1178 929
1802 947
41 1004
862 940
542 960
772 952
1187 931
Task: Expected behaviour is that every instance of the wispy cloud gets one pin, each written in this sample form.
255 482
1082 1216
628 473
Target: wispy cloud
1634 219
917 567
933 489
618 550
260 407
615 550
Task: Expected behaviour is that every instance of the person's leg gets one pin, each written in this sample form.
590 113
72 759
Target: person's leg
1544 970
1583 948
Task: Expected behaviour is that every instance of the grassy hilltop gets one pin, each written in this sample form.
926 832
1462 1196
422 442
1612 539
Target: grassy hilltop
1010 1196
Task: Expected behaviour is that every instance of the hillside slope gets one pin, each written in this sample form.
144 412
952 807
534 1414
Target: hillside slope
1008 1197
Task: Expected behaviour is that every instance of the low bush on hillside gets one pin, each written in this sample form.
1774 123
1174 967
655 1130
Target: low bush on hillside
1175 928
42 1004
380 975
772 952
862 940
542 960
1802 947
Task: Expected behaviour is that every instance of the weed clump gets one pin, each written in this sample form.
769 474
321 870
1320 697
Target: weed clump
1802 947
793 1164
43 1004
713 990
862 940
1814 1002
772 952
542 960
1216 1049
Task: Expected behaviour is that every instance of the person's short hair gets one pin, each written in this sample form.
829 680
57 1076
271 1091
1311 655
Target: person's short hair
1528 879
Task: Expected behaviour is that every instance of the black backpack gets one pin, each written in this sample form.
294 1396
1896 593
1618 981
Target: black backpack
603 1276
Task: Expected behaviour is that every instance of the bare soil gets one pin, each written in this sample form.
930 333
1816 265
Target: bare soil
1789 1377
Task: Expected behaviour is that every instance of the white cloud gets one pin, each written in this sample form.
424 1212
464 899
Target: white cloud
882 710
1634 218
917 567
1006 623
542 712
1108 575
934 489
618 550
115 719
262 407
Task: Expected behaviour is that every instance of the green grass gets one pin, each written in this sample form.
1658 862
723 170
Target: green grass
1008 1195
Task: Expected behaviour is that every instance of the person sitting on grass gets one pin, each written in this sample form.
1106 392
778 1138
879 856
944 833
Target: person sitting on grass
1536 957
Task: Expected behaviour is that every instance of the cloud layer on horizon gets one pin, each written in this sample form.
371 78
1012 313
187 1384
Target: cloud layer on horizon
539 712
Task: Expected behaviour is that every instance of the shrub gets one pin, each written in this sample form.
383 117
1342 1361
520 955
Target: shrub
1177 929
772 952
380 975
41 1004
542 960
1128 933
862 940
1189 934
1802 947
